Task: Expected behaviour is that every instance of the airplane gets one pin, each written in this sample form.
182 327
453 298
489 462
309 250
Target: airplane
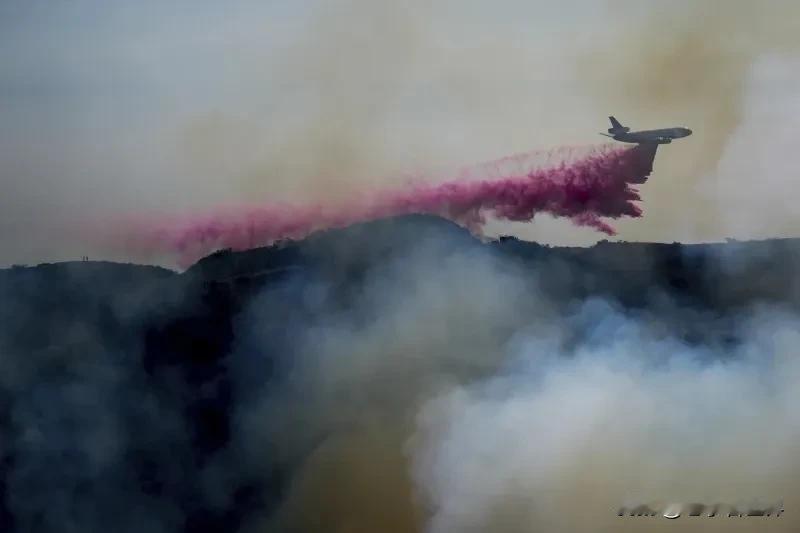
663 136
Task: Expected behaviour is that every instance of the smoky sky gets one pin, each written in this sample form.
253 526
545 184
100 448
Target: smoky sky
449 365
119 107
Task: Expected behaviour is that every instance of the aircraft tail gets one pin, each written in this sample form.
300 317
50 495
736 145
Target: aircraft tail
616 127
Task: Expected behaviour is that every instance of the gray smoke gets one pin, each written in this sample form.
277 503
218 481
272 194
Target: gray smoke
80 415
455 394
558 441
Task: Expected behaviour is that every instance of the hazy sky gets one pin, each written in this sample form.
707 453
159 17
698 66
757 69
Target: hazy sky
112 107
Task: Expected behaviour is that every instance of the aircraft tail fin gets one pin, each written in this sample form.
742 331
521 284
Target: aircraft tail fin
616 127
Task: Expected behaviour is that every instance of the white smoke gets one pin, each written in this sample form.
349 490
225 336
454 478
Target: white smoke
457 392
559 441
755 184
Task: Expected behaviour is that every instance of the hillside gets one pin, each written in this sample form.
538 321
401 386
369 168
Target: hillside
127 392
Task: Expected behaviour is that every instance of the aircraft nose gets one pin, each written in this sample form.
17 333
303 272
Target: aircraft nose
688 131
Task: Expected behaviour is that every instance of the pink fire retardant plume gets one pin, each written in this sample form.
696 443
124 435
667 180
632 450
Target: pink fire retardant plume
515 188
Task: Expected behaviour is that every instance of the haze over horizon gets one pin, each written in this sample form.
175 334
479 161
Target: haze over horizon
172 107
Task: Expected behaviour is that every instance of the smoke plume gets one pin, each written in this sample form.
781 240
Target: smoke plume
459 392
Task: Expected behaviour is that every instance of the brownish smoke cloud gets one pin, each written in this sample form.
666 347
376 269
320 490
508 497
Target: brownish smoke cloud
686 62
331 95
309 104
